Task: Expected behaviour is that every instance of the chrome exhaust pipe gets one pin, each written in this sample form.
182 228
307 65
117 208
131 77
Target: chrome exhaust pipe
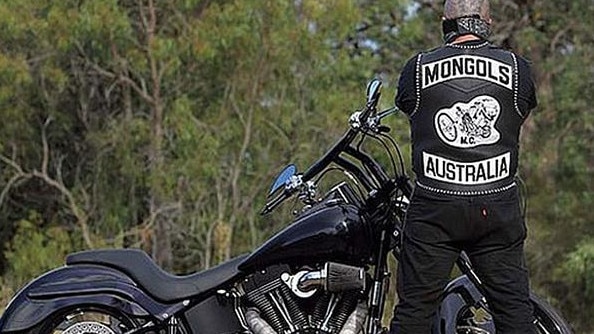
355 322
256 324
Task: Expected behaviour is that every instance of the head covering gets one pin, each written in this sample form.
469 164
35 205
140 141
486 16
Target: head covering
462 17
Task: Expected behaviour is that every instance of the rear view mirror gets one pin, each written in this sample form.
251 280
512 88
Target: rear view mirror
283 177
373 91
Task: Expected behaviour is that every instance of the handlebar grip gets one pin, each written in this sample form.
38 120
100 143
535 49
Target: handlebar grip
269 206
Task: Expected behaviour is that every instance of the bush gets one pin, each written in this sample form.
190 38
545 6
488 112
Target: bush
33 250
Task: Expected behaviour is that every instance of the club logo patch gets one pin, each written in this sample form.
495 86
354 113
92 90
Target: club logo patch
467 173
471 124
467 67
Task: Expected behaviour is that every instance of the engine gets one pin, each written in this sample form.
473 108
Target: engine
327 299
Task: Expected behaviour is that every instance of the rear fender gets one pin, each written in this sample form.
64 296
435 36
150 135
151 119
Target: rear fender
72 286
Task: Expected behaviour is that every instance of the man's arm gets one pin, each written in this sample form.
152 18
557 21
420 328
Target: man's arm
526 90
406 96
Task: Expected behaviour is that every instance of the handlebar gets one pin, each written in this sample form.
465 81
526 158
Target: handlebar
373 94
329 157
358 122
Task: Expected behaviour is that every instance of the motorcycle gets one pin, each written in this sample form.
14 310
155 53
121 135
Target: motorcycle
327 272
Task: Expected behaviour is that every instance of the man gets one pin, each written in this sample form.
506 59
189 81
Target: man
466 102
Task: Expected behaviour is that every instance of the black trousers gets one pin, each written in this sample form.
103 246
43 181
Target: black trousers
491 230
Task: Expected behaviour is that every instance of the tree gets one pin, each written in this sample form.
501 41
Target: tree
158 124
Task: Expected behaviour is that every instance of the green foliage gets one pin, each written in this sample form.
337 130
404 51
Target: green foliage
35 249
578 268
174 132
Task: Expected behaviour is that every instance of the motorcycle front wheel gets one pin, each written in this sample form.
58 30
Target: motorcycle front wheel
546 319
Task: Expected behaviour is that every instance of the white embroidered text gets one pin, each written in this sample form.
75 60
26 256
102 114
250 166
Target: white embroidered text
466 173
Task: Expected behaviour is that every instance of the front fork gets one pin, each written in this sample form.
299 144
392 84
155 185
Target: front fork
465 267
380 284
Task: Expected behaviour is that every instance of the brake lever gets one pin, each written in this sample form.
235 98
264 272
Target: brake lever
355 120
387 112
374 123
306 189
307 192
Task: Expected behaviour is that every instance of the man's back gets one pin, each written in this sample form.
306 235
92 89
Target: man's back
466 102
466 106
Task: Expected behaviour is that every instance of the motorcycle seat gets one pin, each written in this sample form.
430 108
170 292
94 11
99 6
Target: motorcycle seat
158 283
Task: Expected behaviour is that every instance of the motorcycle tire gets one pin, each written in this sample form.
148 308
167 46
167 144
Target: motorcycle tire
547 320
87 320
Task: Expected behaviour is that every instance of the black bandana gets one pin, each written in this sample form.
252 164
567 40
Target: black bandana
472 24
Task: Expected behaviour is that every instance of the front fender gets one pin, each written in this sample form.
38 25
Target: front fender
459 295
69 286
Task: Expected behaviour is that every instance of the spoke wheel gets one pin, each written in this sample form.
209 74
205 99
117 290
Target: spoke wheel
471 330
88 320
447 127
547 320
474 321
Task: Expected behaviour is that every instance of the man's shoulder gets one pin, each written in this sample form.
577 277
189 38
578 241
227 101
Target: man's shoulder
412 61
424 52
499 50
434 50
519 57
410 64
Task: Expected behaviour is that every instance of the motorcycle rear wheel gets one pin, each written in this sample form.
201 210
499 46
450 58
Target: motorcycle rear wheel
87 320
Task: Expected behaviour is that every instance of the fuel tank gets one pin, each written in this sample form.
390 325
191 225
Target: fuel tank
330 231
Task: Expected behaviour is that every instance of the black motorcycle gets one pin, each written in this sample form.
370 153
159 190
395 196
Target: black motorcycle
327 272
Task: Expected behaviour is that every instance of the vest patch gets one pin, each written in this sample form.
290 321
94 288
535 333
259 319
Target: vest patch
466 66
469 124
466 173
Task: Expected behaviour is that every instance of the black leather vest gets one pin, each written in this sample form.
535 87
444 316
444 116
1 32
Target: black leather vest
466 122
